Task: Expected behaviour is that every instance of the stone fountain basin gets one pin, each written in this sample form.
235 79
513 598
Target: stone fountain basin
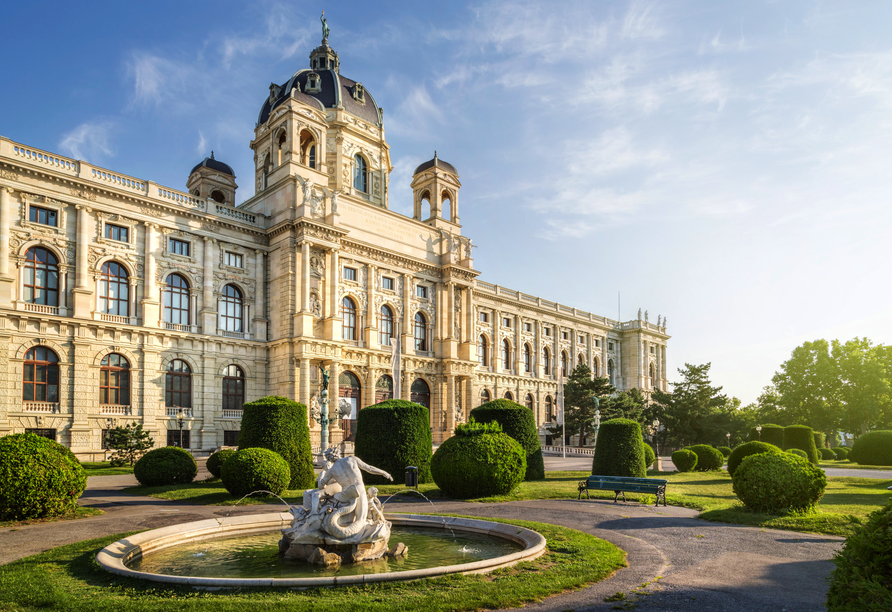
117 555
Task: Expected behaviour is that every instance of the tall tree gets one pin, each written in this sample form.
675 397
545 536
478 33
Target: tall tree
625 404
688 414
580 392
809 387
863 384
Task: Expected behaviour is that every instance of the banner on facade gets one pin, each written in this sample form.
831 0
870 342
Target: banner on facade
395 359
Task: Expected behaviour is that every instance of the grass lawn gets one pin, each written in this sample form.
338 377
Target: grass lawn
104 468
67 578
846 501
80 512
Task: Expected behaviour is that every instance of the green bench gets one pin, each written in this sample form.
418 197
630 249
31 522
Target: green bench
623 484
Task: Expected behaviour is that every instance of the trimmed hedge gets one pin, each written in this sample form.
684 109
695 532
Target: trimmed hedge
820 440
771 434
393 435
874 448
778 483
619 450
725 450
165 466
798 452
842 452
38 478
477 463
745 450
685 460
649 455
708 458
827 454
862 579
255 469
803 438
519 423
215 462
280 424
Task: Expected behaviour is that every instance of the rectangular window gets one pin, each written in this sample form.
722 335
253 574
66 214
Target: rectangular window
484 317
230 438
506 322
43 216
421 291
547 331
652 351
610 346
116 232
50 434
350 274
387 283
597 343
527 327
580 340
173 438
233 260
179 247
565 335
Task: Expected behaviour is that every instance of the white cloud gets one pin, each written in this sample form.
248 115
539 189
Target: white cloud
202 147
89 141
641 21
158 80
417 115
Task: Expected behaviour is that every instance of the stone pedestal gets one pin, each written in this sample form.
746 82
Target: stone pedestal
336 554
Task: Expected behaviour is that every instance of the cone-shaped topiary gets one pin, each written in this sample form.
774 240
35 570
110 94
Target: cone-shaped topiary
862 579
841 452
685 460
280 424
255 469
518 422
874 448
708 458
803 438
479 460
215 462
770 434
649 455
778 483
393 435
745 450
165 466
619 450
38 477
820 440
725 450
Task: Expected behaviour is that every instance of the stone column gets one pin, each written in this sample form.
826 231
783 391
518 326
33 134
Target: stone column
304 384
260 319
450 405
82 292
305 276
208 307
332 320
6 278
408 331
371 323
518 349
150 300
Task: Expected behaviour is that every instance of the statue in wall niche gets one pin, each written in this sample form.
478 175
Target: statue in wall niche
315 305
307 190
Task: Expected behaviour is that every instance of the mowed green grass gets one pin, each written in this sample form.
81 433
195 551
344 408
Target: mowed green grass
80 512
104 468
67 578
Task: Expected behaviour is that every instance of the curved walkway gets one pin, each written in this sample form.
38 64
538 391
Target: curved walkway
687 563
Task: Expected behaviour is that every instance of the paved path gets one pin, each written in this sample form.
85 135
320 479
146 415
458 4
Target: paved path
703 566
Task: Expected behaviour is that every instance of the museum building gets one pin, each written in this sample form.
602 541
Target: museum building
123 300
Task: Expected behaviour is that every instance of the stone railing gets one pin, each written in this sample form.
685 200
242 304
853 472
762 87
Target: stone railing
53 310
235 213
107 176
571 450
180 197
114 409
172 411
232 414
43 158
46 407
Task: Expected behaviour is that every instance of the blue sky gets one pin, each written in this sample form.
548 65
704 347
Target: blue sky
720 163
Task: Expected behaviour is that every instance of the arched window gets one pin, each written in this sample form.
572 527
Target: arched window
446 205
114 380
348 319
549 409
267 168
580 358
610 371
527 358
217 196
230 307
596 367
178 385
529 401
40 375
565 368
485 396
307 149
384 388
425 204
349 392
506 354
385 326
360 174
114 290
509 396
421 393
546 361
176 300
283 136
41 281
420 332
233 388
482 356
652 375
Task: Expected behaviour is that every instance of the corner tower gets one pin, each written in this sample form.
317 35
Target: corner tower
435 187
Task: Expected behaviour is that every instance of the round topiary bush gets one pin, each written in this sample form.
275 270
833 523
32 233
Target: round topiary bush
803 438
798 452
649 455
874 448
518 422
619 450
725 450
255 469
685 460
165 466
841 452
479 460
771 434
777 483
38 478
393 435
215 462
827 454
745 450
862 579
708 458
280 424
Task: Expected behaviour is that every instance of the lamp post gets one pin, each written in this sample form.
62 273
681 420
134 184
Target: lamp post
656 425
319 412
181 419
597 424
728 435
759 431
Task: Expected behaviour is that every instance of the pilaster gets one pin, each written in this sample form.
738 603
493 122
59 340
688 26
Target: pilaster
82 293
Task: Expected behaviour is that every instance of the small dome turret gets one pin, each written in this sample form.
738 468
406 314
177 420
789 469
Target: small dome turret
436 162
213 164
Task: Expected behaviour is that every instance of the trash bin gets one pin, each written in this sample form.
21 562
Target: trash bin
412 476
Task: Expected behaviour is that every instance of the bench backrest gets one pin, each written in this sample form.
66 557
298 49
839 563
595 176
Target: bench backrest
623 480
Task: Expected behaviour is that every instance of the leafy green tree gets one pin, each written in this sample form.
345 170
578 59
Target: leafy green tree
864 386
129 443
624 405
690 413
580 392
809 387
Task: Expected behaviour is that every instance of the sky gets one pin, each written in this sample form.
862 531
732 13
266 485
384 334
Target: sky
722 164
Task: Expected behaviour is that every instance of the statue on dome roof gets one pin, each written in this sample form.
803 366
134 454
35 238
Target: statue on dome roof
325 30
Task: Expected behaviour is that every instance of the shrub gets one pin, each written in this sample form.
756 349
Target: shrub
827 454
778 482
280 424
619 450
862 579
820 440
874 448
745 450
478 461
771 434
649 455
798 452
165 466
255 469
38 477
129 443
393 435
216 461
685 460
803 438
708 458
725 450
842 452
519 423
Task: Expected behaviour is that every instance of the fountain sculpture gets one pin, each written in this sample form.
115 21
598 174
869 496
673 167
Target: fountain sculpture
340 521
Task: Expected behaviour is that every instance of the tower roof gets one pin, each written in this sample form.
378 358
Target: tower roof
213 164
436 162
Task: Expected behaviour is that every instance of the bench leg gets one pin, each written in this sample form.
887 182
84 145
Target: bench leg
616 496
